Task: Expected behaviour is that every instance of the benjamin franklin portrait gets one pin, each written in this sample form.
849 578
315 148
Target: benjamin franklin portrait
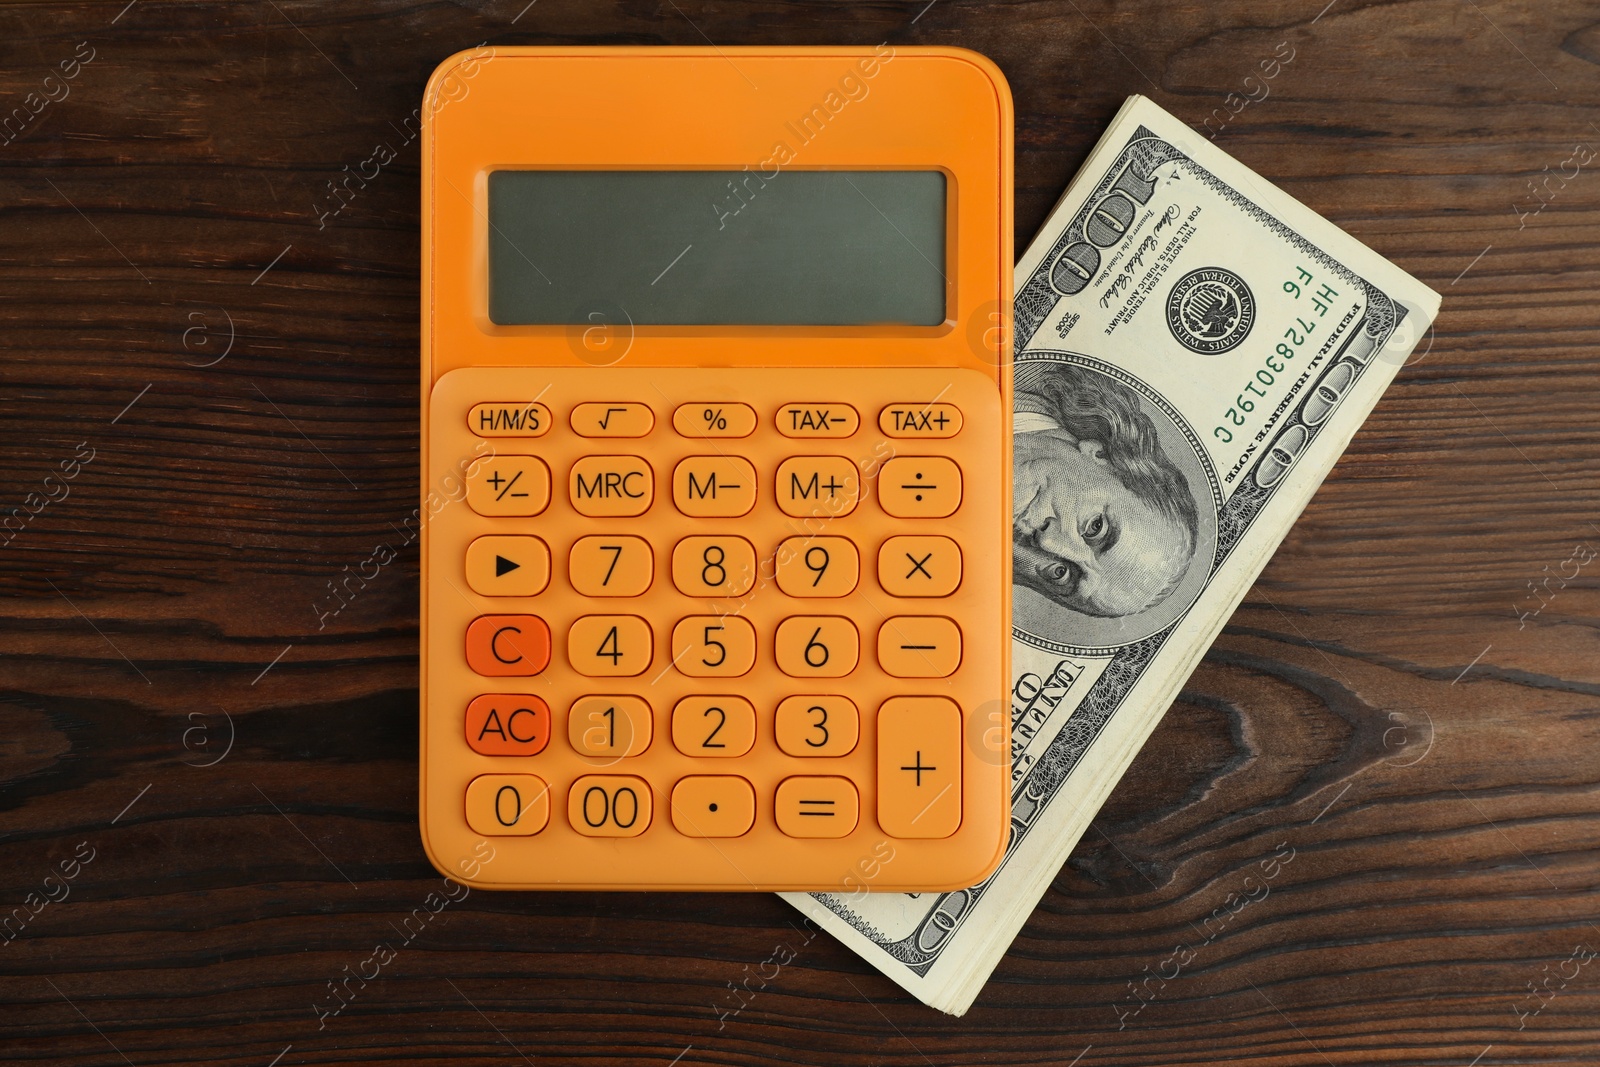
1104 522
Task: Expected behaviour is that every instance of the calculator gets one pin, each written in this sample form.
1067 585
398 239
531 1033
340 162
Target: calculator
716 468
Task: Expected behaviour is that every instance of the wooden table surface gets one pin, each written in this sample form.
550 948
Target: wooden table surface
208 801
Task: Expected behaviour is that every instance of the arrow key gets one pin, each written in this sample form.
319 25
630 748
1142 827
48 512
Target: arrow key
508 565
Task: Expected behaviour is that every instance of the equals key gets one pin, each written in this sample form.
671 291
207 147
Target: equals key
817 806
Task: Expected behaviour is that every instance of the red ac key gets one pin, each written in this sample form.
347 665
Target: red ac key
508 725
508 645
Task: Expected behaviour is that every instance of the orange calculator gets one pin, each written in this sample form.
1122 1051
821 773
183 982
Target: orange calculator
716 468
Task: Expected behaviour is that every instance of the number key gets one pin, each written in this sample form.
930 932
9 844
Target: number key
609 805
610 646
507 805
817 726
817 646
714 566
614 726
714 726
818 566
610 566
713 646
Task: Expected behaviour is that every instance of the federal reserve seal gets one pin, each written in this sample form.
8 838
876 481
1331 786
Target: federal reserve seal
1210 310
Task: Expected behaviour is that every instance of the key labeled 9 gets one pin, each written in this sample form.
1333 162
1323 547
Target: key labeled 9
818 566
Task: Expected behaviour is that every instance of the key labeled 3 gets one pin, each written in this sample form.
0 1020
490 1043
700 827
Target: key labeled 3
817 725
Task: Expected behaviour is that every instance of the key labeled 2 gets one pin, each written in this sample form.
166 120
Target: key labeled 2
713 726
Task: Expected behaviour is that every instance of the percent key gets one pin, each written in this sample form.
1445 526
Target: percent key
714 419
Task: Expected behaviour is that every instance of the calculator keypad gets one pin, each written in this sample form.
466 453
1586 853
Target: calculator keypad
744 622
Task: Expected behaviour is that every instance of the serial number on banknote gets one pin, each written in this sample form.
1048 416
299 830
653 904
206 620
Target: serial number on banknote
1272 366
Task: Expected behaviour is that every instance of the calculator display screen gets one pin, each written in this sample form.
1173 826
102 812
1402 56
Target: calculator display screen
705 247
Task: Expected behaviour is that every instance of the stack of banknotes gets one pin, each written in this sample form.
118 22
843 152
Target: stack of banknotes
1194 350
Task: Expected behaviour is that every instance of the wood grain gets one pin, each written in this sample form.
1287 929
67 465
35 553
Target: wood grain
1385 704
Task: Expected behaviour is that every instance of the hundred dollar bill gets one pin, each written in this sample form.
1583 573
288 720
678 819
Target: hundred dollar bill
1195 349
